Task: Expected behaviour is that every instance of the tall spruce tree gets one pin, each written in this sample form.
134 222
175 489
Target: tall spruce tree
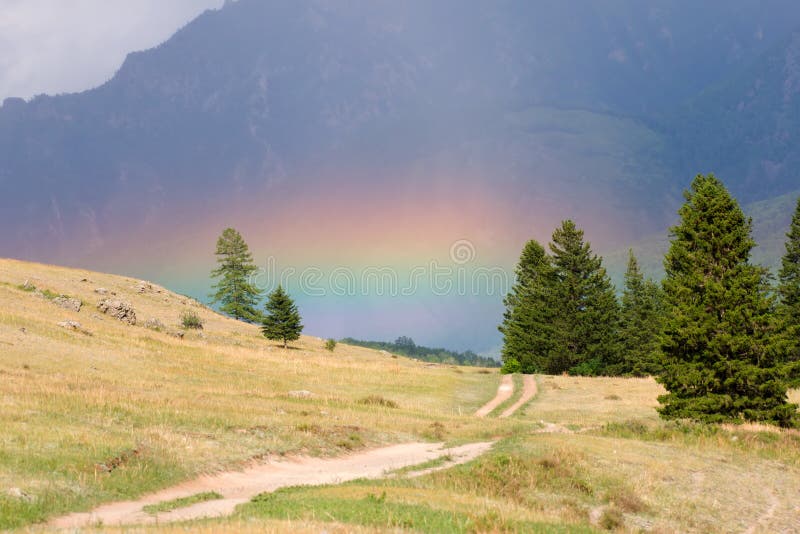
640 323
720 362
585 323
235 292
789 290
527 321
282 322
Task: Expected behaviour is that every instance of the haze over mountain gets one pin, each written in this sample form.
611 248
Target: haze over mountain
378 134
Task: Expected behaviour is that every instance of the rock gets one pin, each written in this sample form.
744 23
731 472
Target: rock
154 324
118 309
68 303
101 291
301 394
74 325
143 287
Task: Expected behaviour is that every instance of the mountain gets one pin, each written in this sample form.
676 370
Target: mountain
745 127
337 134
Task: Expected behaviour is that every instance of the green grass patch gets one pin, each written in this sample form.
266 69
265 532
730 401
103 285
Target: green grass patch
183 502
379 510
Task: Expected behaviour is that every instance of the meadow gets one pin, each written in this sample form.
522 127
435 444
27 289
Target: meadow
112 412
118 410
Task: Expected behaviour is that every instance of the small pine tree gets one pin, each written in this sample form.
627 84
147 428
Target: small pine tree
234 291
526 327
586 319
789 290
640 323
282 322
720 359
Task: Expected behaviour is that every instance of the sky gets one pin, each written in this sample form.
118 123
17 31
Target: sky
63 46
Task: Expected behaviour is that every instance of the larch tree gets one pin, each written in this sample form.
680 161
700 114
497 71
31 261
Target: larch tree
641 320
235 292
527 320
282 322
720 358
586 314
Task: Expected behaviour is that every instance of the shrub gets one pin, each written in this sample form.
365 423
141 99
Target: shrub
511 366
330 344
378 401
190 319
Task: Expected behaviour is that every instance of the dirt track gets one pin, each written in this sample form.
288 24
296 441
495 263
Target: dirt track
504 392
238 487
528 392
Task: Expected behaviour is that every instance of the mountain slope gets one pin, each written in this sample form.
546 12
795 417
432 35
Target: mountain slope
338 134
259 93
745 127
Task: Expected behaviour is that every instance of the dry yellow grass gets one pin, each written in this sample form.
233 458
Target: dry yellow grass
88 418
126 410
581 402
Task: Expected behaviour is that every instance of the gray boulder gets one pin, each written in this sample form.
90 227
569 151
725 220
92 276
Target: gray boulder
154 324
119 309
68 303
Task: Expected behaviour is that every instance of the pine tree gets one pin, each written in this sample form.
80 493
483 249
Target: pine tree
282 322
789 290
719 354
640 323
527 321
586 317
236 293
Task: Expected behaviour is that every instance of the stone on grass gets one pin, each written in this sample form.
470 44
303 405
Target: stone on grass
68 303
119 309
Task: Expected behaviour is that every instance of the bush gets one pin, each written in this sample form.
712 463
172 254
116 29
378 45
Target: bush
377 400
190 319
330 344
511 366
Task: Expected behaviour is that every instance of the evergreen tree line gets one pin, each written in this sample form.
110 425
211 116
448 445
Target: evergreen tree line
238 297
723 341
405 346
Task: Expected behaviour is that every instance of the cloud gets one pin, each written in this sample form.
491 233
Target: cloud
54 46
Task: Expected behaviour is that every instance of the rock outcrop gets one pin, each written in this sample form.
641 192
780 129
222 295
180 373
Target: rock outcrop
119 309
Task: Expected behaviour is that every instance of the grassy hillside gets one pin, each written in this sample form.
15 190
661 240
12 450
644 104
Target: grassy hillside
116 410
110 411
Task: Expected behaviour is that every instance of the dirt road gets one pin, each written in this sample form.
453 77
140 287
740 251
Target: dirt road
238 487
504 392
529 391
